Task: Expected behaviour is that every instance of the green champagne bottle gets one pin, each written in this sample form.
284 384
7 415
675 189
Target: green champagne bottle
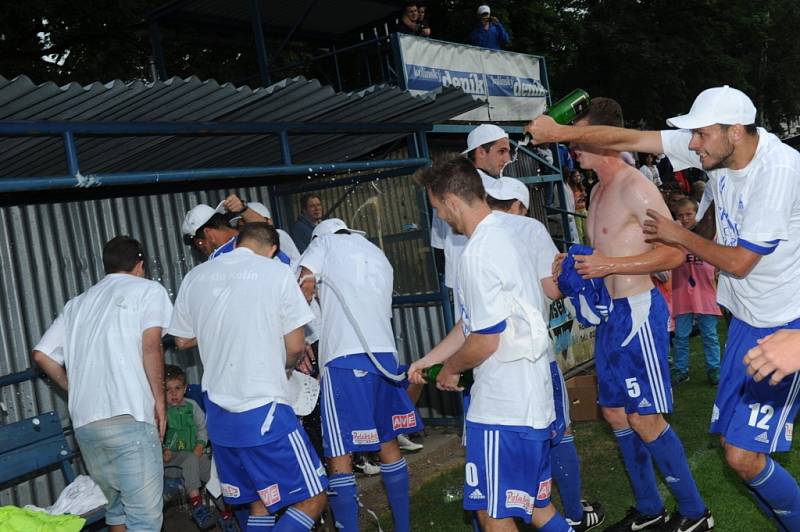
432 372
565 110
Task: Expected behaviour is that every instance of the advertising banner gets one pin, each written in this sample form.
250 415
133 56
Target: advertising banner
509 83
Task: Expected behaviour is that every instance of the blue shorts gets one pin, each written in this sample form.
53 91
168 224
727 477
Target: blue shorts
507 473
631 351
281 473
360 410
561 403
748 414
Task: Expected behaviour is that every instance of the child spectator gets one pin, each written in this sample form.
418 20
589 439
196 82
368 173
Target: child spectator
185 443
694 298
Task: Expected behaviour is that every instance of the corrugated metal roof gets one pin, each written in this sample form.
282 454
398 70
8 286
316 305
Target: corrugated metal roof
193 100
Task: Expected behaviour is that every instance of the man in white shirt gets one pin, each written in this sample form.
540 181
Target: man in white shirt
511 197
755 183
105 350
247 315
363 409
503 336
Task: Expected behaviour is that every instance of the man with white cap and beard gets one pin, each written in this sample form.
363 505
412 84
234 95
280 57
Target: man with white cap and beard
755 182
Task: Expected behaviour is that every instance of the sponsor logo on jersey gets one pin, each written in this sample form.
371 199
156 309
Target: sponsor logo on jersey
789 431
365 437
519 499
714 413
404 421
644 403
763 437
270 495
360 373
229 490
544 490
476 494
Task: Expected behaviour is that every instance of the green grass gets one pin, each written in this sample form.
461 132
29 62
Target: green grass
604 477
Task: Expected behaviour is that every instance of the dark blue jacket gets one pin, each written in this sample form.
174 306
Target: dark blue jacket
495 37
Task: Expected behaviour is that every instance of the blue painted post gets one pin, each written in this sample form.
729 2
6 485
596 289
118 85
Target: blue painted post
158 50
72 154
261 48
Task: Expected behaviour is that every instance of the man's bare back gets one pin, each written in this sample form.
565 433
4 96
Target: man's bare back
616 212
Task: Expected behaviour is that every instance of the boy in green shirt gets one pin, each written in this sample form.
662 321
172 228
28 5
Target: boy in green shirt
185 442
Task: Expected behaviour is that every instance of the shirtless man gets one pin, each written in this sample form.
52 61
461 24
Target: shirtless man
632 346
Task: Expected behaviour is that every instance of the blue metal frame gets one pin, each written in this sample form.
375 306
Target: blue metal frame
69 130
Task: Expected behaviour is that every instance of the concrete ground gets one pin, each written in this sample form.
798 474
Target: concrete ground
441 452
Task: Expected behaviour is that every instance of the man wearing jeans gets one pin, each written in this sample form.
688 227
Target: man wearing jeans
105 350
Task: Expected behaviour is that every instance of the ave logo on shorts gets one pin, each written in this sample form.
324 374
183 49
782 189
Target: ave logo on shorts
229 490
520 499
270 495
365 437
544 490
404 421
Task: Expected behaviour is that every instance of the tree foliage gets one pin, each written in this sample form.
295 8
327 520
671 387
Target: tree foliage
653 56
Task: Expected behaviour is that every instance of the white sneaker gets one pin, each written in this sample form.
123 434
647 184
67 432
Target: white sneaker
407 445
366 466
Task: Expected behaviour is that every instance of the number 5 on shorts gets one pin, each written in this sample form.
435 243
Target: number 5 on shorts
633 387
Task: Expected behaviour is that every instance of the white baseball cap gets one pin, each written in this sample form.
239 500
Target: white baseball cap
717 105
330 226
483 134
198 216
260 208
509 188
484 9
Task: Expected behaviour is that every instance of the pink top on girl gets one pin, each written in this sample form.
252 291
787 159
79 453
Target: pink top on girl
694 289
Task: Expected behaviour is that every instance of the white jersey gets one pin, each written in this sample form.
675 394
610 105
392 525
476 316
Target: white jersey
288 246
495 284
98 338
537 248
359 270
757 207
239 306
443 237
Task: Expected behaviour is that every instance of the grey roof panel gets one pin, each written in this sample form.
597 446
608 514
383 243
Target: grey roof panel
194 100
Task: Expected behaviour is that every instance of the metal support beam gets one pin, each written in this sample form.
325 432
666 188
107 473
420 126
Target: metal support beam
158 50
18 184
256 20
72 154
296 26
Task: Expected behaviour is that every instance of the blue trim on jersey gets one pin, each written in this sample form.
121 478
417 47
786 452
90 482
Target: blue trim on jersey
283 257
528 433
227 247
494 329
259 426
362 362
758 248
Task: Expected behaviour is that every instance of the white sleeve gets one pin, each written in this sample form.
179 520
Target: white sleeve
546 252
439 230
288 246
676 147
705 202
657 177
181 323
294 307
157 308
769 208
52 342
485 301
314 257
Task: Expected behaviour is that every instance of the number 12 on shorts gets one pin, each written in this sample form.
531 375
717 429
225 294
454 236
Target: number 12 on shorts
766 412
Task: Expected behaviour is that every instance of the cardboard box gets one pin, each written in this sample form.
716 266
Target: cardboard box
582 392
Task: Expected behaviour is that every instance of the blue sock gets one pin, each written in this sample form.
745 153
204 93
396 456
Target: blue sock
566 468
556 524
260 523
780 492
395 480
343 498
294 520
667 451
639 465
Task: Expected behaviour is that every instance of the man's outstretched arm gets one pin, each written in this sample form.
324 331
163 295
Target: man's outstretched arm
544 130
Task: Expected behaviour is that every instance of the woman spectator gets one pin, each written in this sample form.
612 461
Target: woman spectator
649 168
